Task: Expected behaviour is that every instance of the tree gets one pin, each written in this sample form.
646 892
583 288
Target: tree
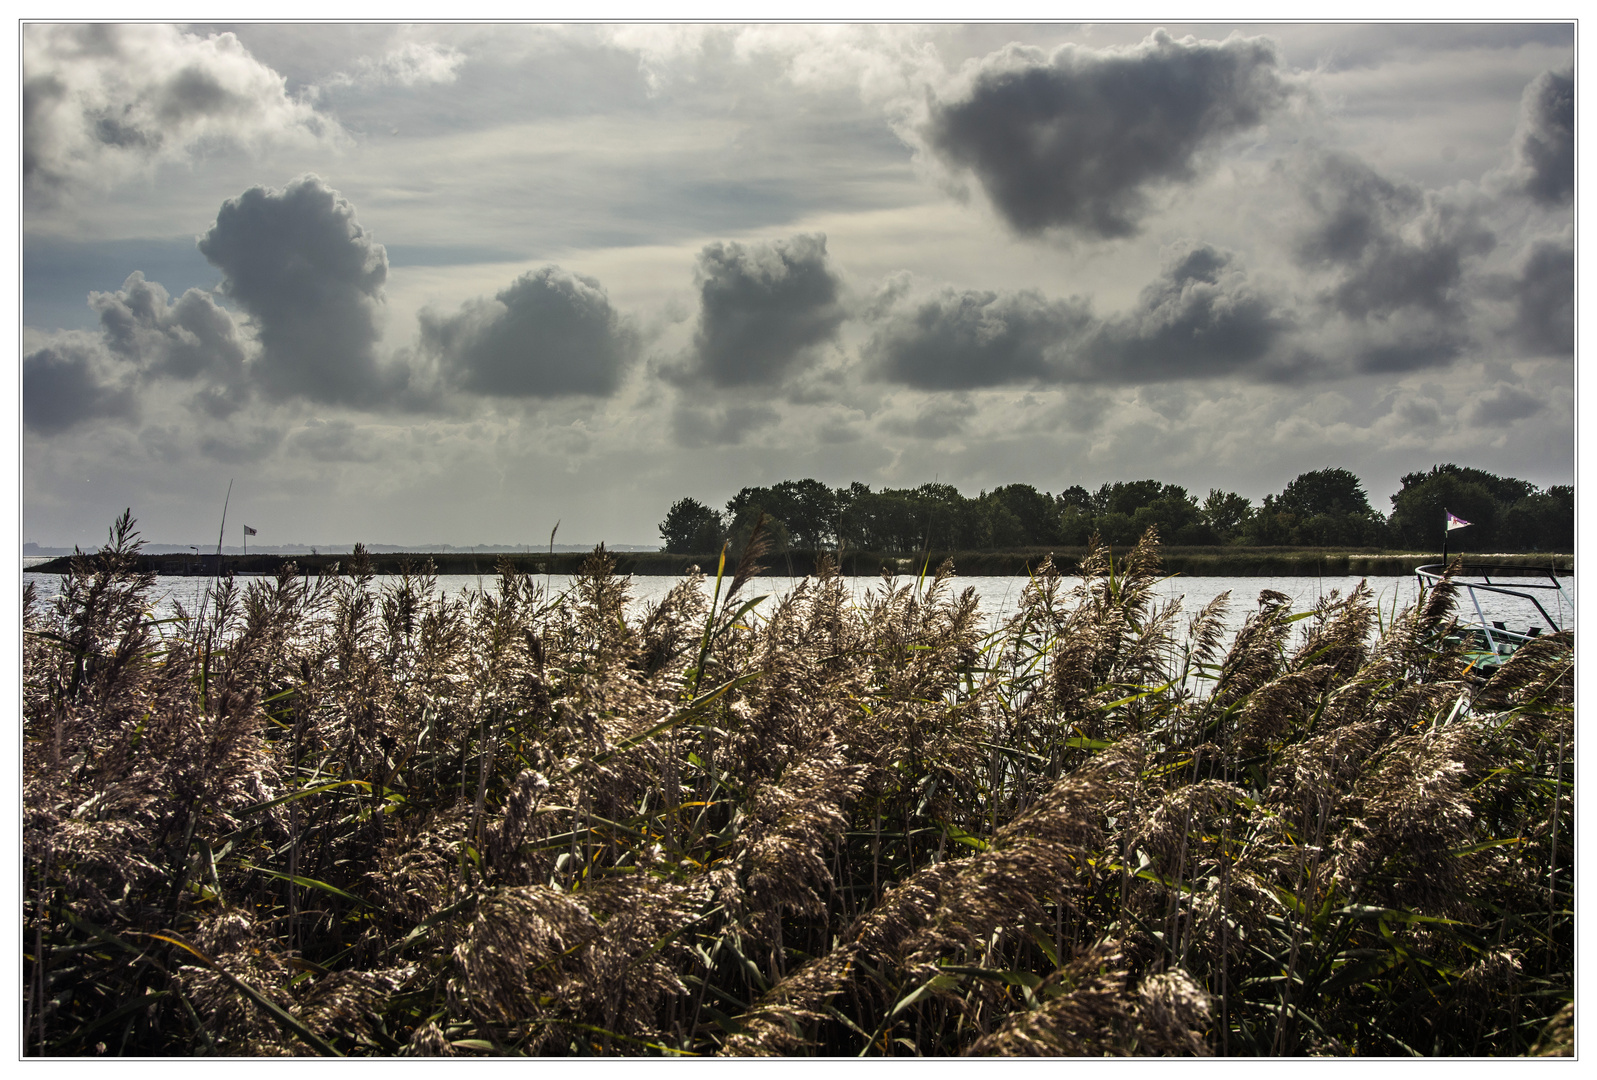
1128 496
1541 522
1505 489
691 528
1226 512
741 530
1419 511
1077 497
1037 513
1503 511
1323 508
809 508
1324 491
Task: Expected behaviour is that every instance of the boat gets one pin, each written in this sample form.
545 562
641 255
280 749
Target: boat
1488 642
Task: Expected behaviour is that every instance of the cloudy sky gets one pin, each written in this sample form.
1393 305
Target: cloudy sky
451 283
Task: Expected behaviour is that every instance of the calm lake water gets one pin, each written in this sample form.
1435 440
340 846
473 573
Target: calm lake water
1000 596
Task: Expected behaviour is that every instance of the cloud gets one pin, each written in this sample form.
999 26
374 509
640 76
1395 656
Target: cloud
1502 406
696 426
763 310
1200 318
968 339
412 63
241 446
190 339
1080 138
1544 299
1413 351
550 333
329 440
1388 245
1418 412
63 387
102 102
311 279
937 418
1544 142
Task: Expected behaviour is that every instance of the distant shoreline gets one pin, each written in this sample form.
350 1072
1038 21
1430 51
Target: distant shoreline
1193 562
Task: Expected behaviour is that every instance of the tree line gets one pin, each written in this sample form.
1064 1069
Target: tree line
1322 508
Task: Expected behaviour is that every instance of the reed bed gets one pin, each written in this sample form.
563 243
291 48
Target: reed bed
340 817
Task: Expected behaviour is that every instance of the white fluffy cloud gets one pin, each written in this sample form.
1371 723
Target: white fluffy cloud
103 102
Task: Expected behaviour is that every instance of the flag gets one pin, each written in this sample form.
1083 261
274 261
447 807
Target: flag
1454 521
251 532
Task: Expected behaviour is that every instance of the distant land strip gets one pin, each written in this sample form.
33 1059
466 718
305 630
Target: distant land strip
1192 562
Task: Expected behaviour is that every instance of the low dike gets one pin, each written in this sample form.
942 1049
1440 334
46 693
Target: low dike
1192 562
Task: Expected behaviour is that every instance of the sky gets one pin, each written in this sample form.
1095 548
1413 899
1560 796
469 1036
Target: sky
418 284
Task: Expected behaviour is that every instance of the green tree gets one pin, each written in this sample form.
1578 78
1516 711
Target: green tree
1128 496
1036 512
1323 508
1076 526
1002 527
1226 512
1544 521
1078 497
691 528
1324 491
742 528
809 508
1419 511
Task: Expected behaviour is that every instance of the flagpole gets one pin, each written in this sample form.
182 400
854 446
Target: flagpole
1446 528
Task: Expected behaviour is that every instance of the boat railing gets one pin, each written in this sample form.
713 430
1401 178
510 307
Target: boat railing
1434 573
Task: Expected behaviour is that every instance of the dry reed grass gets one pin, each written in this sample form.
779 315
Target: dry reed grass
323 816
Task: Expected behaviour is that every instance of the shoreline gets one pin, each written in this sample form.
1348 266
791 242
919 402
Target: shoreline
1193 562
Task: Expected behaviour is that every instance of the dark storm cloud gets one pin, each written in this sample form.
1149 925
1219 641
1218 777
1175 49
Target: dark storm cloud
1544 300
1389 245
550 333
1502 407
1199 319
969 339
311 278
191 338
61 389
1078 139
763 310
1544 144
1414 351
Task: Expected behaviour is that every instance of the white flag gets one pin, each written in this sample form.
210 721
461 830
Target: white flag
1454 521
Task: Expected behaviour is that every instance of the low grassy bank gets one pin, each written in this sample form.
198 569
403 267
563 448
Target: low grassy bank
344 816
1192 561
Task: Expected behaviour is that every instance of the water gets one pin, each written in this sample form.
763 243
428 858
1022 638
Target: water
999 596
